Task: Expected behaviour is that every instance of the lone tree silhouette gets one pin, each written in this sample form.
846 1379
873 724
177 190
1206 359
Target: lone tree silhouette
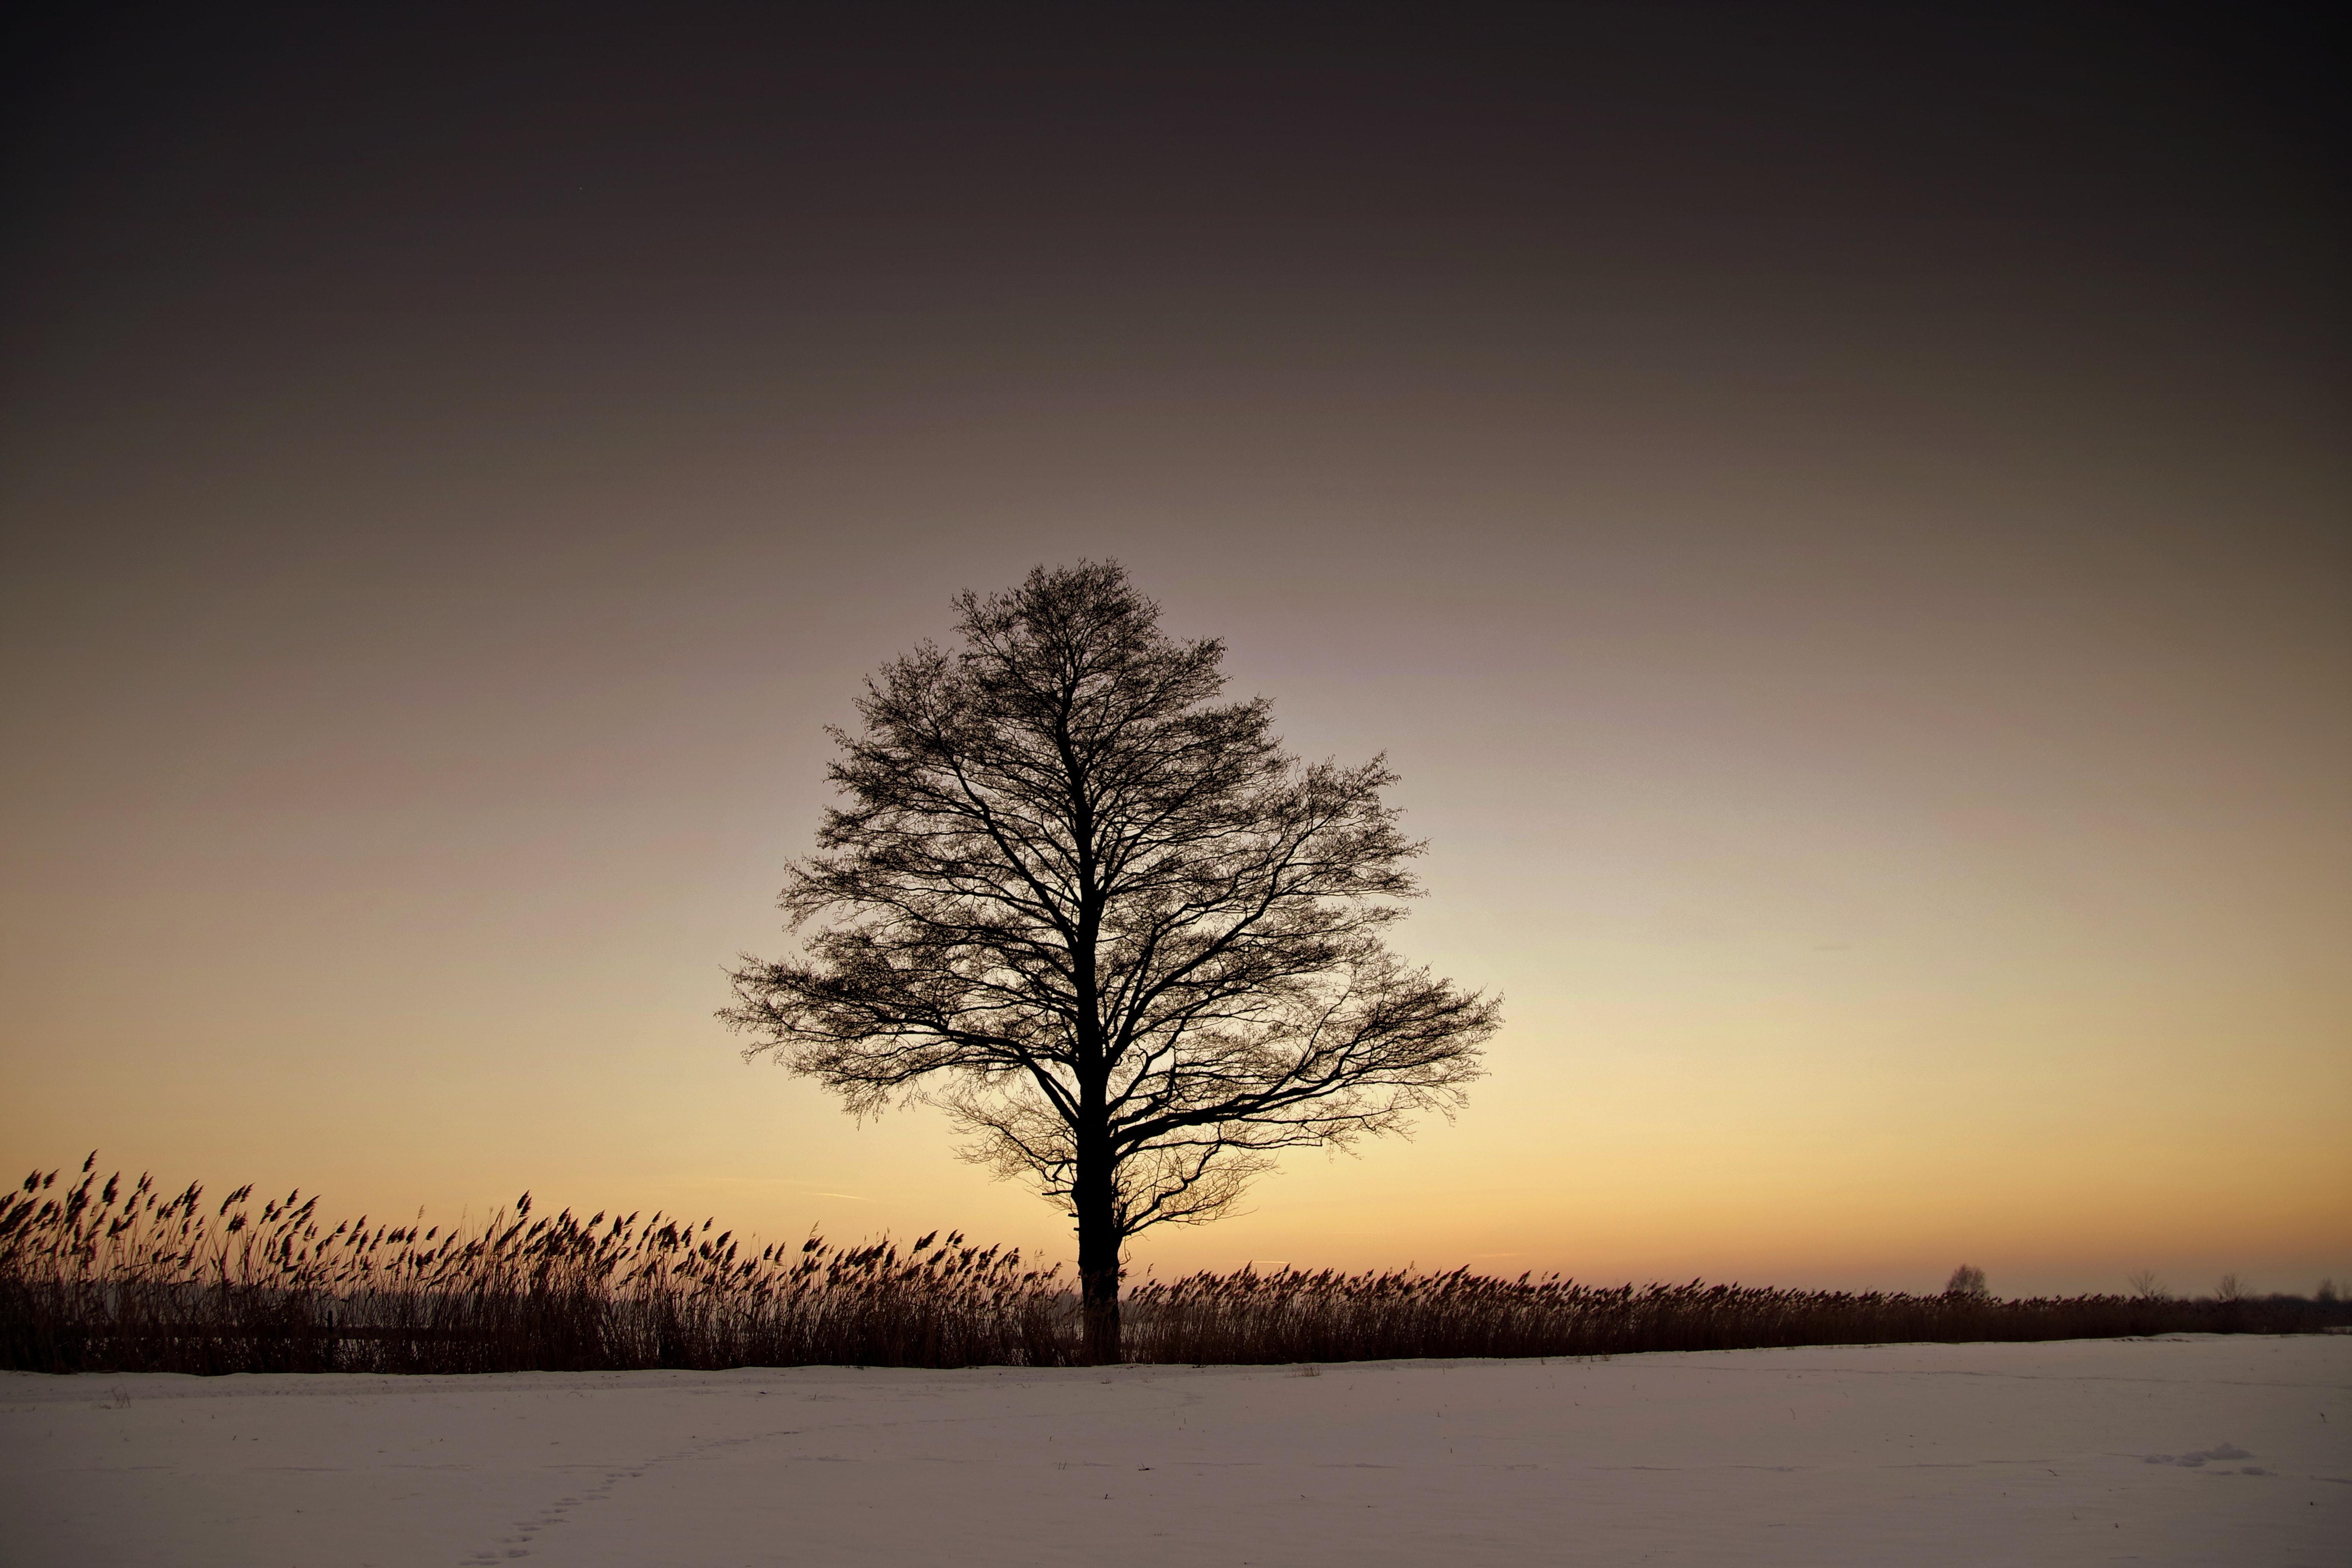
1127 941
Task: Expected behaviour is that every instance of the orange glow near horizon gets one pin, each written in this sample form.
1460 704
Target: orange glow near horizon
1794 996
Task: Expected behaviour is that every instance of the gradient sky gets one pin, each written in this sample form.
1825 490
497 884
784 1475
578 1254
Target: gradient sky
1840 519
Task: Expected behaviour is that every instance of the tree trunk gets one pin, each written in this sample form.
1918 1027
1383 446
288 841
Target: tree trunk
1098 1240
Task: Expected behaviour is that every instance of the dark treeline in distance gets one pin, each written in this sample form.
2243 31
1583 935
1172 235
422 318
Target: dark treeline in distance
104 1276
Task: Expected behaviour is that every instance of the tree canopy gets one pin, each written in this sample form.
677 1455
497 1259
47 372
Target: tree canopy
1131 944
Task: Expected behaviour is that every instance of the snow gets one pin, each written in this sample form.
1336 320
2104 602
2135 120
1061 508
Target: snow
2180 1450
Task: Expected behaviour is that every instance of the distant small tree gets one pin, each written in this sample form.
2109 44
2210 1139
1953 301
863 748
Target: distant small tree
2228 1287
2146 1285
1127 941
2325 1294
1967 1280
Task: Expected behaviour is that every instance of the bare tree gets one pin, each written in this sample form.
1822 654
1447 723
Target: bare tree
1127 941
1968 1280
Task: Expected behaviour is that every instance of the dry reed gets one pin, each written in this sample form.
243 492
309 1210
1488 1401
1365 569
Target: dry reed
1296 1316
101 1276
108 1277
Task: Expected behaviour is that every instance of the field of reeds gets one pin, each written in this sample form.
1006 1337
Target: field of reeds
1288 1316
104 1276
115 1277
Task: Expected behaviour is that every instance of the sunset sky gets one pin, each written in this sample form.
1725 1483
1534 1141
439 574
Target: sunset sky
1840 516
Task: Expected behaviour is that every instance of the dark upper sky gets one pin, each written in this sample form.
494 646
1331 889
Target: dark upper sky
426 208
453 460
367 249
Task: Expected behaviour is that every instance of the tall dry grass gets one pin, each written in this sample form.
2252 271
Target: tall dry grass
123 1279
1296 1316
104 1276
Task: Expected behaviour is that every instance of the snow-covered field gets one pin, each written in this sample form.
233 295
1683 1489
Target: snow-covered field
2212 1450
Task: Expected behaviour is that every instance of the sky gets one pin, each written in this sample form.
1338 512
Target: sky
1839 516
